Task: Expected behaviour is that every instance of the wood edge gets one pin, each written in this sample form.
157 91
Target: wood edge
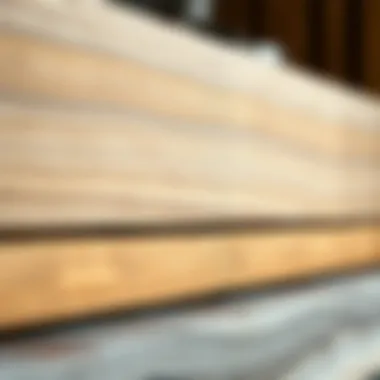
256 82
57 279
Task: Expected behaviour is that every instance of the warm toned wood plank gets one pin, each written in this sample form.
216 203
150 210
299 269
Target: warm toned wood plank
42 281
105 28
62 180
29 67
68 167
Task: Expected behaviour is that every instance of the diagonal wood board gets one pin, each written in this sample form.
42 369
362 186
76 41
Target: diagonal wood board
81 168
111 118
43 281
95 129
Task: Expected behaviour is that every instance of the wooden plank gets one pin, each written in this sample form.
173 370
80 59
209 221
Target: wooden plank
29 67
171 136
75 176
64 168
43 281
103 27
201 58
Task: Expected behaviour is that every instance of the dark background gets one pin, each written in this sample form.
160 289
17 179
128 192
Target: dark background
340 38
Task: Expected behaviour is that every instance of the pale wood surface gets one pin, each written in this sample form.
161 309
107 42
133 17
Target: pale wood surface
42 281
66 168
96 129
108 28
30 67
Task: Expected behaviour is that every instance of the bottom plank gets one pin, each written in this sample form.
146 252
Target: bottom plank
42 281
246 338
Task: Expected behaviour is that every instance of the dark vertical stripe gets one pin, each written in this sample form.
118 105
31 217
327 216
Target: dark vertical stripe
287 23
315 18
335 38
257 18
371 44
354 41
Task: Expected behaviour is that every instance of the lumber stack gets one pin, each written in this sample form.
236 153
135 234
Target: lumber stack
111 118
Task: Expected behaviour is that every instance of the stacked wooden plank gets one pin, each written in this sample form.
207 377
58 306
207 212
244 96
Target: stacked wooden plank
112 118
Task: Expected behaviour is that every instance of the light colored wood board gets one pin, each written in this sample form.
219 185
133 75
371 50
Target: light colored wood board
44 281
69 166
183 52
108 27
38 210
32 67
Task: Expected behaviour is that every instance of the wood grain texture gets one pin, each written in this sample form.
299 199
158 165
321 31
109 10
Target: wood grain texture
182 52
200 58
98 130
216 84
29 67
60 167
225 136
43 281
